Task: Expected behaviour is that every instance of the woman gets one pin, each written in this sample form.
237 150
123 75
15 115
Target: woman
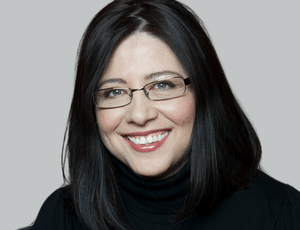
156 139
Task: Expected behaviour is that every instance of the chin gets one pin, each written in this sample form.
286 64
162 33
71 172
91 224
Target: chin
148 172
156 173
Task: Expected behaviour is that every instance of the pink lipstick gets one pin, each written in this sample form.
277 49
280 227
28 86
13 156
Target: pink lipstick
146 141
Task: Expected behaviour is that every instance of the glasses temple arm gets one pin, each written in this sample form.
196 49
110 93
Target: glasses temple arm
187 81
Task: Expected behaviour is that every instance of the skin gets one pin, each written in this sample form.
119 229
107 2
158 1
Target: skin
134 59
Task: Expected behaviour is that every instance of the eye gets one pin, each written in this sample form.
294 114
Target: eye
113 93
164 85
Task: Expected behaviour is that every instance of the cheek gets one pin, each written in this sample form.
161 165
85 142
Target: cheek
181 112
108 120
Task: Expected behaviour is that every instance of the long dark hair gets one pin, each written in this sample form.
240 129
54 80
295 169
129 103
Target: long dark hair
225 150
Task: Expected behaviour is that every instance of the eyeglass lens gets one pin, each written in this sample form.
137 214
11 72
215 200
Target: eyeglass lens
157 90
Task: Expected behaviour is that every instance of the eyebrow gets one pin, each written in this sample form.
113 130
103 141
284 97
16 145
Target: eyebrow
113 80
151 76
155 75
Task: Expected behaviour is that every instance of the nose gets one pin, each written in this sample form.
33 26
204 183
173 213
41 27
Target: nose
141 109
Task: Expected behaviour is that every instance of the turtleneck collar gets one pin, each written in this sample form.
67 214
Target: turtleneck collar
152 200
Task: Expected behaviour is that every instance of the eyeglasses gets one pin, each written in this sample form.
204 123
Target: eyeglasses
161 89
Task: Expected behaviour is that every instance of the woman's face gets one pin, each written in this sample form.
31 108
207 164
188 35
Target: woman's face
137 57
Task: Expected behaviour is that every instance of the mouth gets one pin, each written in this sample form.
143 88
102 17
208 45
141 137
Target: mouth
148 141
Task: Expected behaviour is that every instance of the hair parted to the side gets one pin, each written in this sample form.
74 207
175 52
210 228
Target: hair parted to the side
225 151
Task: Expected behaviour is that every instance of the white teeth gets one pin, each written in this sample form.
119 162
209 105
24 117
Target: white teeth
159 137
143 141
147 140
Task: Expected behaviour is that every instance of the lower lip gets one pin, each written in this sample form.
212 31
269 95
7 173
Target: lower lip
146 148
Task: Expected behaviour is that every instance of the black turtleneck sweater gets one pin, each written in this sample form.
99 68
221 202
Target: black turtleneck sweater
266 204
152 204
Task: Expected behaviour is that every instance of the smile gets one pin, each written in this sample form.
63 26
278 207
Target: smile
149 139
146 141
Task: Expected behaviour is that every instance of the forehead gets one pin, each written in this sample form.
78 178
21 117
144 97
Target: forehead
141 55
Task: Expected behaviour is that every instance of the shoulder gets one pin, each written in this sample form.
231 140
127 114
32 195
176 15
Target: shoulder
266 188
265 204
281 202
53 199
289 217
277 202
54 213
269 201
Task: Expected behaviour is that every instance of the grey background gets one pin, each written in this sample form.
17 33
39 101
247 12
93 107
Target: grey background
257 42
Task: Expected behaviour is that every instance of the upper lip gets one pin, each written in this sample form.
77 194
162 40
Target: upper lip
145 133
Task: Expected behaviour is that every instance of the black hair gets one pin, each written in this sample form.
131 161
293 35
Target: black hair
225 150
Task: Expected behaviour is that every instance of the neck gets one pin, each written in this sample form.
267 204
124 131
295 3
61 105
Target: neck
147 195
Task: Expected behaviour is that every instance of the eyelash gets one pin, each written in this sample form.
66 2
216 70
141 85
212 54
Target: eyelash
108 92
168 83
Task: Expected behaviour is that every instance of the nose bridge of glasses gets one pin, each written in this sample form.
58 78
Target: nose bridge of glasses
142 88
